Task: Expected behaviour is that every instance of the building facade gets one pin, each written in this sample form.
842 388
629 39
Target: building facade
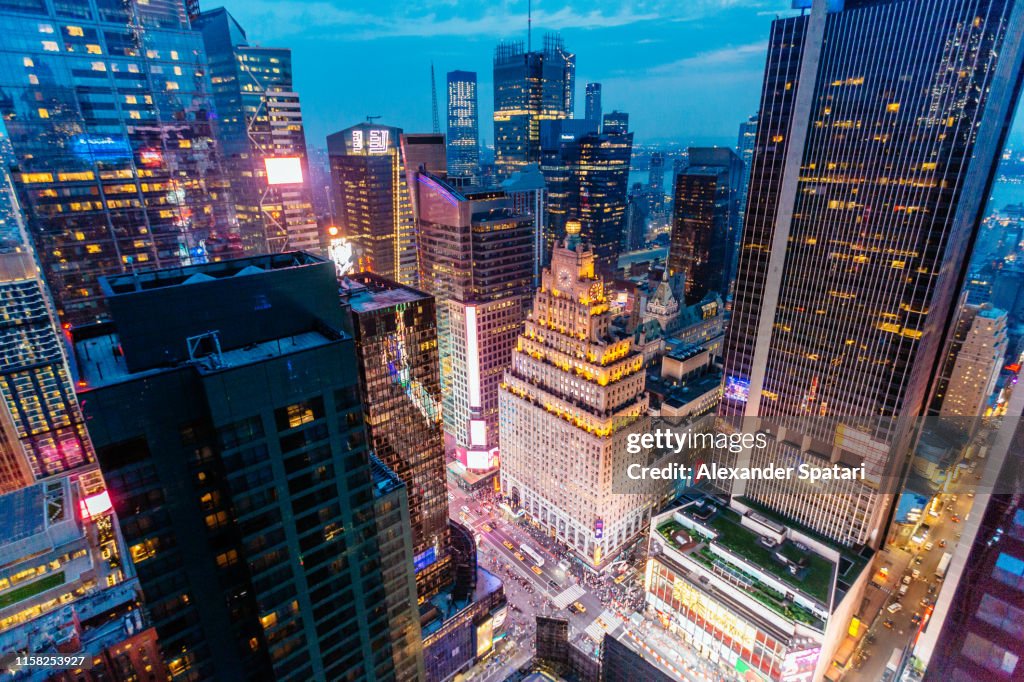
974 358
566 404
529 87
259 124
463 125
839 313
110 114
706 221
371 200
237 463
745 149
592 112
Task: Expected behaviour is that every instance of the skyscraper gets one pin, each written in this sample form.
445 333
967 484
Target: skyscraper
463 124
615 122
371 201
262 137
110 116
847 280
974 356
745 150
572 393
230 432
476 257
528 192
529 87
656 185
593 103
588 179
395 329
706 221
635 235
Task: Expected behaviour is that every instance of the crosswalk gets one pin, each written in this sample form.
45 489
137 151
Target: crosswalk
606 622
567 597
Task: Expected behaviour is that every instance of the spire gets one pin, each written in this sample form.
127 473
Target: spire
529 25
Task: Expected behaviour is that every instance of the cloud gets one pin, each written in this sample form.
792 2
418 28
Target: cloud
276 19
729 56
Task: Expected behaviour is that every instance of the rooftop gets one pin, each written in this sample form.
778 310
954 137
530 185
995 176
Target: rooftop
368 293
206 272
22 512
101 362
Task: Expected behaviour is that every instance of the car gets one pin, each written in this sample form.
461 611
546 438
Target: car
906 580
903 589
535 569
928 546
572 607
486 528
916 574
508 544
888 623
552 583
918 560
519 556
894 607
916 619
955 518
580 607
942 543
465 509
924 603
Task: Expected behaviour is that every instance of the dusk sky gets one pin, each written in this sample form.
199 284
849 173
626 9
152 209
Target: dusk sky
687 71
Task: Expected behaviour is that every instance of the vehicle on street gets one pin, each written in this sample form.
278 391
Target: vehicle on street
903 589
906 580
508 544
532 553
942 543
465 509
888 623
486 528
580 607
894 607
535 569
916 574
519 556
916 619
940 570
928 547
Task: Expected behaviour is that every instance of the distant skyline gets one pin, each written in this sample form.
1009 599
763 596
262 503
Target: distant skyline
687 72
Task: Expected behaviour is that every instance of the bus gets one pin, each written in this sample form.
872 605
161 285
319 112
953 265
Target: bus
893 666
532 553
940 570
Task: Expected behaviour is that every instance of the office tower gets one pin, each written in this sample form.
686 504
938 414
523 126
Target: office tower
262 138
395 330
66 588
230 433
593 103
615 122
529 87
463 125
974 356
588 177
745 150
396 553
476 257
635 235
566 404
848 281
528 192
320 182
10 210
118 166
371 201
706 221
656 184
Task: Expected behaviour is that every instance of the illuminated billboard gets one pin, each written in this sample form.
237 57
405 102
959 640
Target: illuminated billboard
283 170
484 637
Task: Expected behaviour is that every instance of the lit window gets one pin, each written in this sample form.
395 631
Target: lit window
50 46
43 113
75 31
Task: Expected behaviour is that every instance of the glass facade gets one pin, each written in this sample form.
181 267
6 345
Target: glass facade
463 124
529 87
859 219
108 109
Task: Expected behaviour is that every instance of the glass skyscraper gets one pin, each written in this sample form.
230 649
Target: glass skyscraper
529 87
463 124
593 103
259 117
109 112
880 128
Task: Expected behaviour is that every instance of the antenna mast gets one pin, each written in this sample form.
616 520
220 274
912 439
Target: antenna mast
529 25
433 99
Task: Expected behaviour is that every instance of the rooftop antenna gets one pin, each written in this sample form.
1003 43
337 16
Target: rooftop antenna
529 25
433 98
372 118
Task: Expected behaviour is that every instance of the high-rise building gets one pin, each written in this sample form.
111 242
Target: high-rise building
615 122
110 114
230 432
476 257
588 179
848 280
593 103
706 221
656 184
572 393
259 126
395 330
529 87
745 149
371 201
463 125
974 356
635 235
528 192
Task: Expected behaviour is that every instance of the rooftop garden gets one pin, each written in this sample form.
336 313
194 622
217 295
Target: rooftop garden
32 589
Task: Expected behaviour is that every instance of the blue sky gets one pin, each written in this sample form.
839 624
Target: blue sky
686 70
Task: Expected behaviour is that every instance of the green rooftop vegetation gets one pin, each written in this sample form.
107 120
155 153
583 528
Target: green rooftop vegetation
32 589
